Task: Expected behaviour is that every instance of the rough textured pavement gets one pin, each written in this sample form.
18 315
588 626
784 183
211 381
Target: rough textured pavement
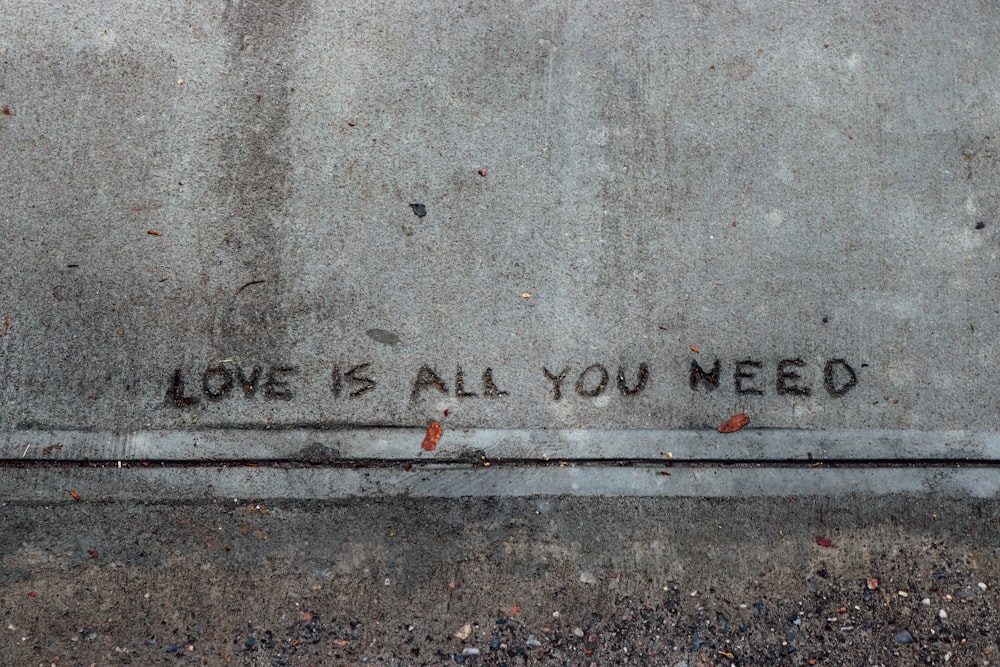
521 581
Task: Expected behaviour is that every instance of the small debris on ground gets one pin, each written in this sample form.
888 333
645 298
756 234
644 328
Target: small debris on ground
432 437
734 423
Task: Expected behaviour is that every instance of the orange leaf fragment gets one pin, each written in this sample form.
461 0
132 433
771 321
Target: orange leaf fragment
695 350
430 442
734 423
76 496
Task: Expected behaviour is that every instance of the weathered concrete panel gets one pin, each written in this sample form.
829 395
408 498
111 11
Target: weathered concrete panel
545 217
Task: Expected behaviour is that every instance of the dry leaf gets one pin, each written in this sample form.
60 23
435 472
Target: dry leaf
735 423
430 442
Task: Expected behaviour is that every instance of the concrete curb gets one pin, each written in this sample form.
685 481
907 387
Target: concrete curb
329 443
155 484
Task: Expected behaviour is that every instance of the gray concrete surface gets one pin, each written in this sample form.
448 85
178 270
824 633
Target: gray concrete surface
193 194
251 250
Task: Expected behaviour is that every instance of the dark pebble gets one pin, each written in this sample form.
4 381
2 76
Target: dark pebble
723 622
419 210
459 659
172 648
698 642
250 642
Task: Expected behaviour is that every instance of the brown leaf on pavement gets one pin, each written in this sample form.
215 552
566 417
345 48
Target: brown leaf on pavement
430 442
735 423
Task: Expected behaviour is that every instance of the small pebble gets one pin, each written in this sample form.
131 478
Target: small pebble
903 637
532 642
982 586
926 601
470 651
943 614
577 632
698 642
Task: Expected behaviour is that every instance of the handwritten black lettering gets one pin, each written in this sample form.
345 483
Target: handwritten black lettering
787 379
220 389
741 374
249 384
460 385
276 386
490 389
427 378
362 384
557 381
601 384
710 379
833 371
640 382
175 392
